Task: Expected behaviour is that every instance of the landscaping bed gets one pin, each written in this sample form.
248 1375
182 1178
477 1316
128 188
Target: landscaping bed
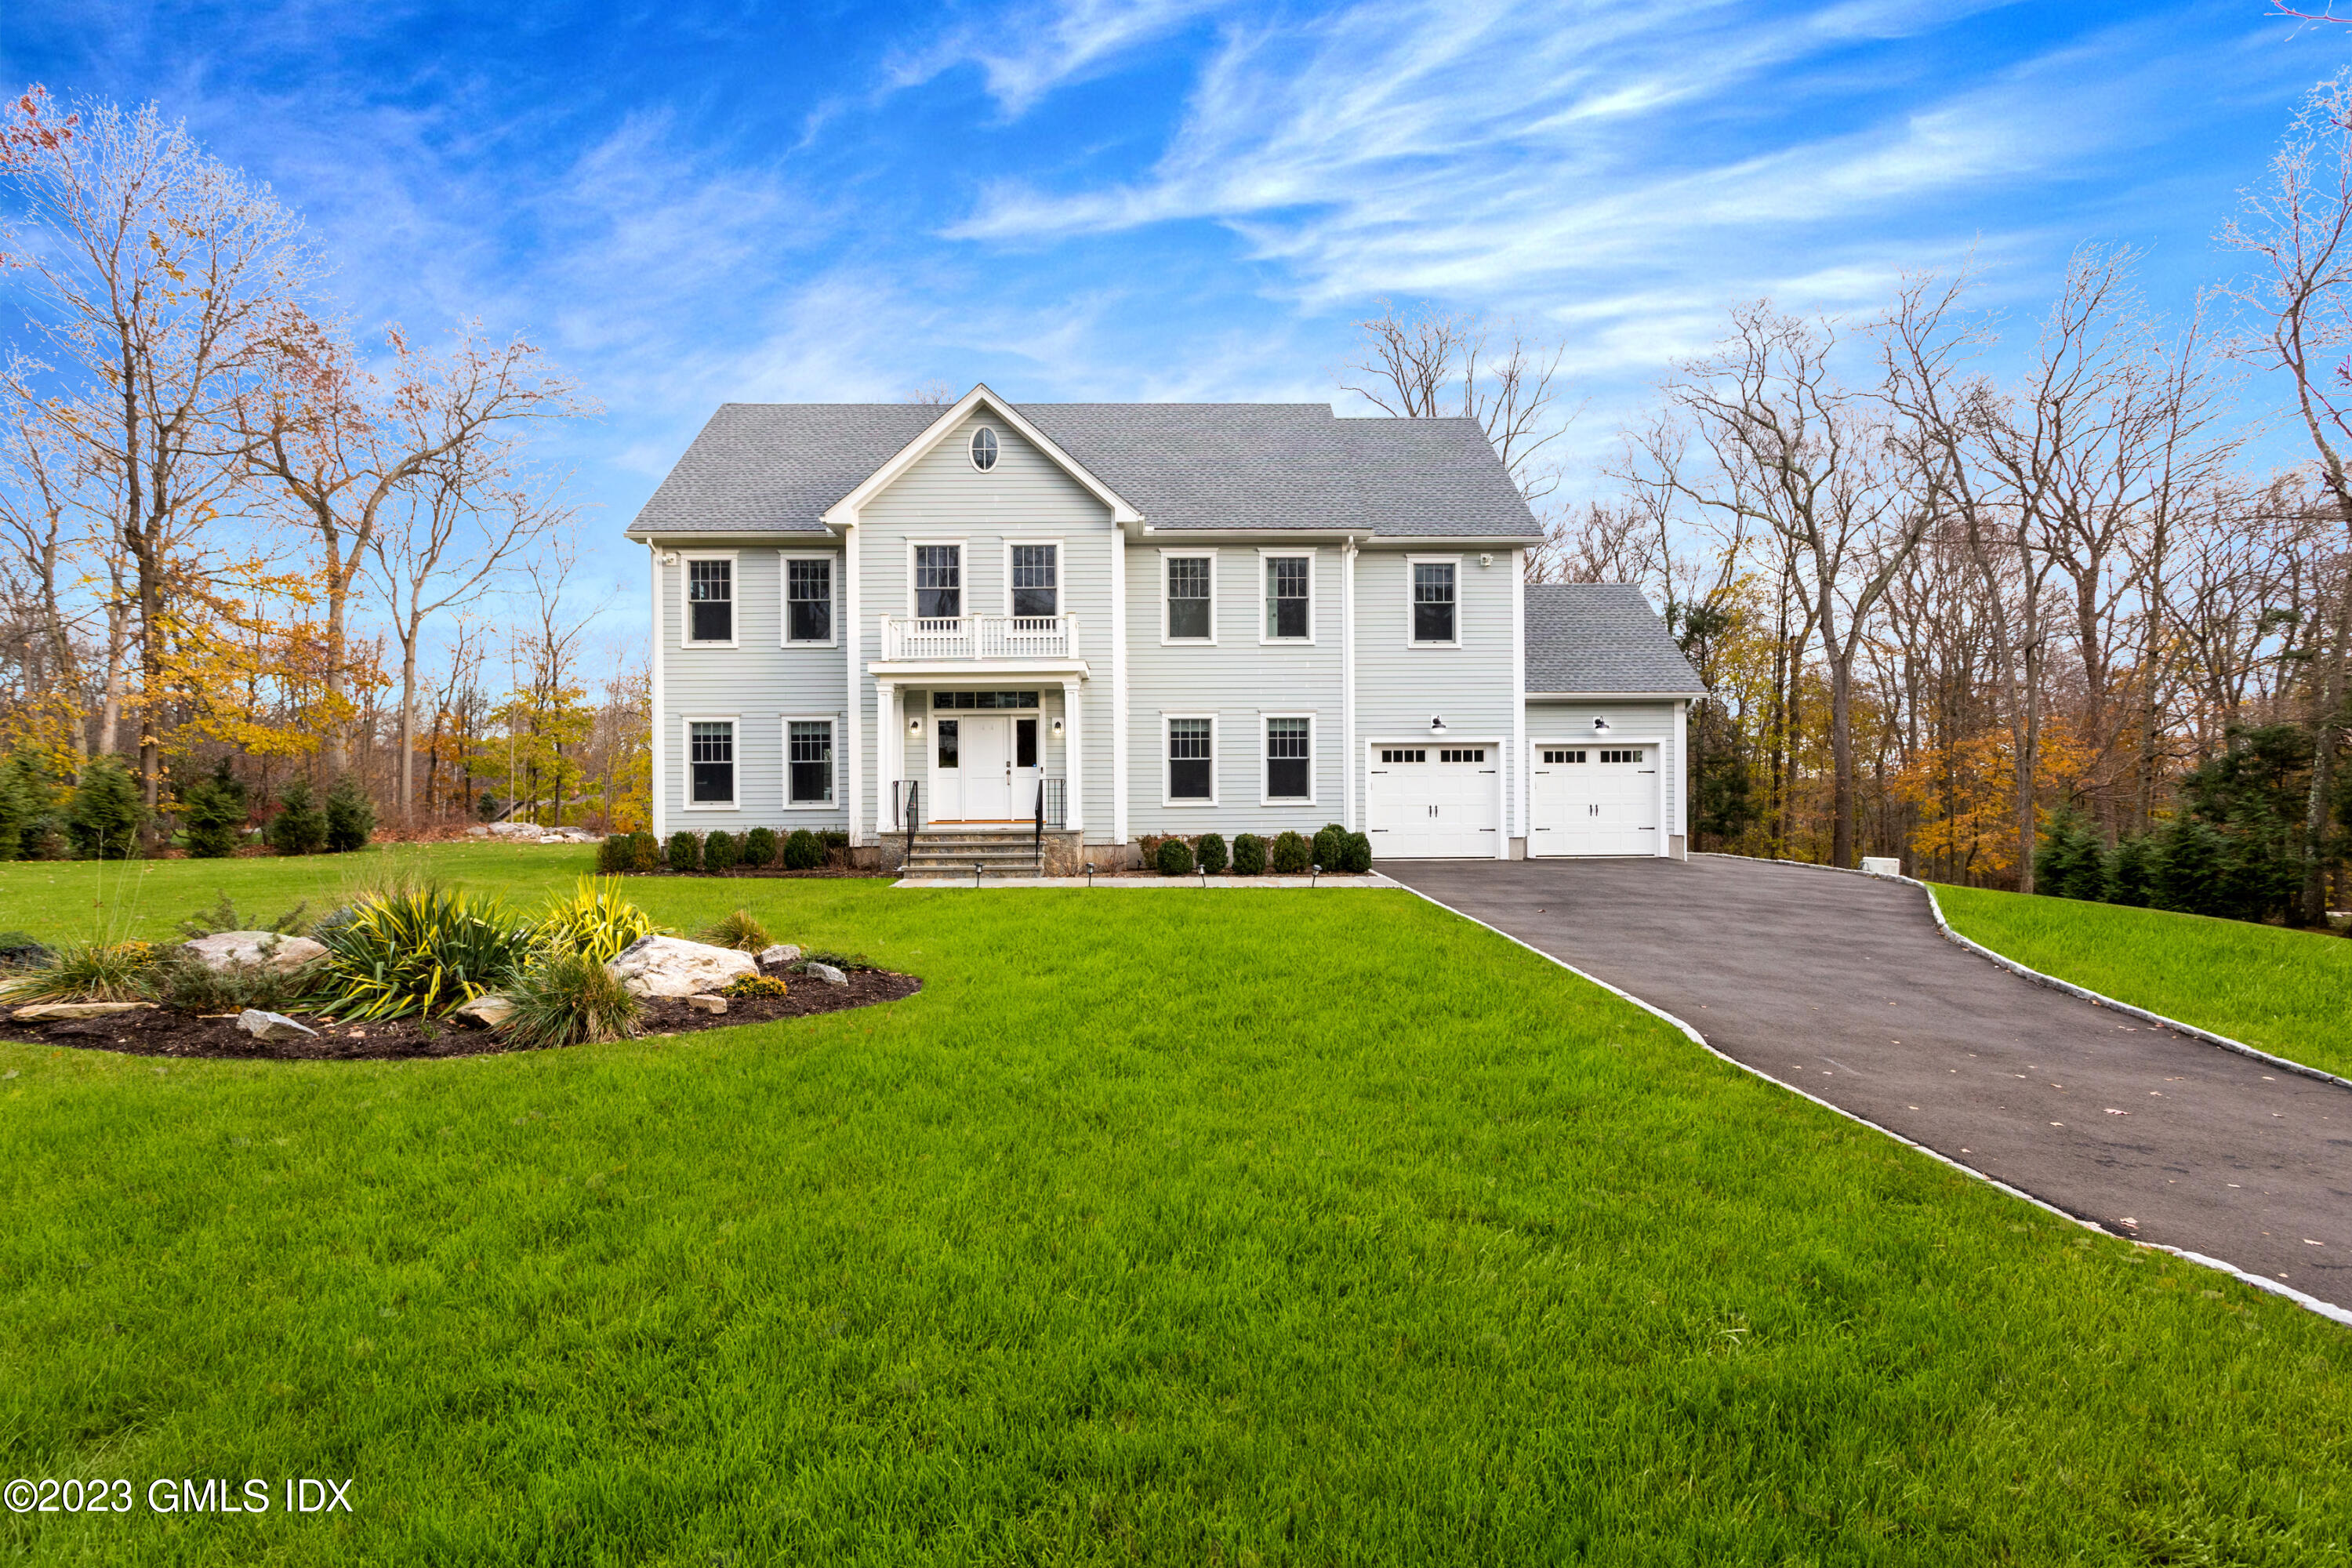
166 1032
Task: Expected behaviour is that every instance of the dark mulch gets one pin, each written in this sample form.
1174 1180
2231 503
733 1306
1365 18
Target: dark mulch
162 1032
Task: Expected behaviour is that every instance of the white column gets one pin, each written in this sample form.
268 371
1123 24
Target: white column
1074 756
1118 683
1348 681
853 641
888 745
660 780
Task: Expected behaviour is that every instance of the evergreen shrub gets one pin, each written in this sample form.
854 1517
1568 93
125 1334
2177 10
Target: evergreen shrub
1329 846
300 828
1211 853
212 813
1290 854
1355 852
685 852
804 850
104 815
350 816
719 852
1175 857
1249 855
759 847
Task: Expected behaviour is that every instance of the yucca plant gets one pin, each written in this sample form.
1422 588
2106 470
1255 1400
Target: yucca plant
594 921
737 929
420 953
568 999
87 971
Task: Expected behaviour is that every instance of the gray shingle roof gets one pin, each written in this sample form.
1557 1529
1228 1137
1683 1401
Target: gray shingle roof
775 467
1602 636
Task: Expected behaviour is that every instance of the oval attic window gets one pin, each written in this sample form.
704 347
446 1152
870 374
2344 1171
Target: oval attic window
984 448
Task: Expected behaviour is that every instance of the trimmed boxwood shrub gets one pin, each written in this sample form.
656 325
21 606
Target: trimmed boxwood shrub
1356 852
834 838
1175 857
1249 855
760 846
1290 854
614 853
719 852
685 852
1330 846
804 850
1211 853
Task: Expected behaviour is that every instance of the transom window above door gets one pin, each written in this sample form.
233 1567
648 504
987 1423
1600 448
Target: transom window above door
1287 579
1189 578
1037 580
808 601
710 601
984 699
938 582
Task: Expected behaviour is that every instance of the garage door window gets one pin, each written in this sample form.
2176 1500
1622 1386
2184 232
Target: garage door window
1632 756
1461 754
1560 759
1403 755
1289 746
1192 760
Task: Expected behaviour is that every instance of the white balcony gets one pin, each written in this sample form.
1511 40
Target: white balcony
978 639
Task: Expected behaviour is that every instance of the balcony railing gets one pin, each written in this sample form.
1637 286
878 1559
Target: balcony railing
978 637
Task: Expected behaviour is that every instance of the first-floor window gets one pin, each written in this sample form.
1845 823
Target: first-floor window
808 761
1288 776
710 753
1191 760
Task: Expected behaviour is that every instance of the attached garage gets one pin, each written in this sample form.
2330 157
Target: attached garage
1594 799
1434 802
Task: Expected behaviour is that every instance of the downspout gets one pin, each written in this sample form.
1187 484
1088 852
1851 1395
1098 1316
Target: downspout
1347 816
1118 683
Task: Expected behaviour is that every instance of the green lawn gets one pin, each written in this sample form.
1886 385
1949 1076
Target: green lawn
2287 992
1193 1228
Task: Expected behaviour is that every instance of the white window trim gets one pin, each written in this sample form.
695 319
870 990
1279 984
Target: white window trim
972 436
1061 574
1265 796
686 724
785 559
686 606
1216 760
963 572
1166 551
784 735
1266 553
1409 563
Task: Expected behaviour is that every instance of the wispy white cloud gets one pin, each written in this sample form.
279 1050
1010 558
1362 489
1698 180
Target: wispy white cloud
1027 52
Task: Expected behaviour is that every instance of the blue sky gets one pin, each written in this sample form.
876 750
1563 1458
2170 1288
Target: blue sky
687 203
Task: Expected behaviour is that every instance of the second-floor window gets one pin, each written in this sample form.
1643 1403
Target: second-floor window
710 601
1433 601
939 581
1286 597
1188 598
808 601
1037 580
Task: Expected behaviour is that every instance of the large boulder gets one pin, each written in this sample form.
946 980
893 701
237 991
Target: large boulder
487 1010
231 950
673 967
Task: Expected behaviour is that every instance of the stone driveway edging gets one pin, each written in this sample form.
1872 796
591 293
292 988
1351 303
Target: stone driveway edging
1359 881
2328 1310
2052 981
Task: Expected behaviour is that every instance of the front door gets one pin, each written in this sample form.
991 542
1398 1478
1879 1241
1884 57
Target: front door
972 761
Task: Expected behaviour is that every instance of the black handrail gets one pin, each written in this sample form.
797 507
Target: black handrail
1037 834
913 810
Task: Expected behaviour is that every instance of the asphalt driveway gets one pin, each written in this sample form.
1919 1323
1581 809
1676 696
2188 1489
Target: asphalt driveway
1842 986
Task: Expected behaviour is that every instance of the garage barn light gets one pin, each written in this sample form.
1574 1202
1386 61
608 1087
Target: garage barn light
1601 726
1437 723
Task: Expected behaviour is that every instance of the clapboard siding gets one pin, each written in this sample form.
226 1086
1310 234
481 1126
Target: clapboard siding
758 682
1025 497
1399 688
1240 679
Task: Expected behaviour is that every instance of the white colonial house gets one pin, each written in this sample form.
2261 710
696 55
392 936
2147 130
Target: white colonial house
1043 630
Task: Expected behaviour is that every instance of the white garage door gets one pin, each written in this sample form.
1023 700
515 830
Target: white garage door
1595 800
1434 803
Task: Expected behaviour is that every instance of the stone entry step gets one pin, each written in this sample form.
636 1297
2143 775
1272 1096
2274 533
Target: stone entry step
951 852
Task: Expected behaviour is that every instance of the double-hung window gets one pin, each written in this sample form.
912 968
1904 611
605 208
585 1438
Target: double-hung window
1036 581
938 582
711 762
808 600
808 761
1433 601
1289 751
709 600
1192 759
1287 580
1189 580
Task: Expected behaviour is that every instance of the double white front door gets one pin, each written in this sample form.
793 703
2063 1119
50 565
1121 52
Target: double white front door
984 768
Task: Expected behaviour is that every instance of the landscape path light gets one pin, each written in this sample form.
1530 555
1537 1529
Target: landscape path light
977 867
1318 869
1090 873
